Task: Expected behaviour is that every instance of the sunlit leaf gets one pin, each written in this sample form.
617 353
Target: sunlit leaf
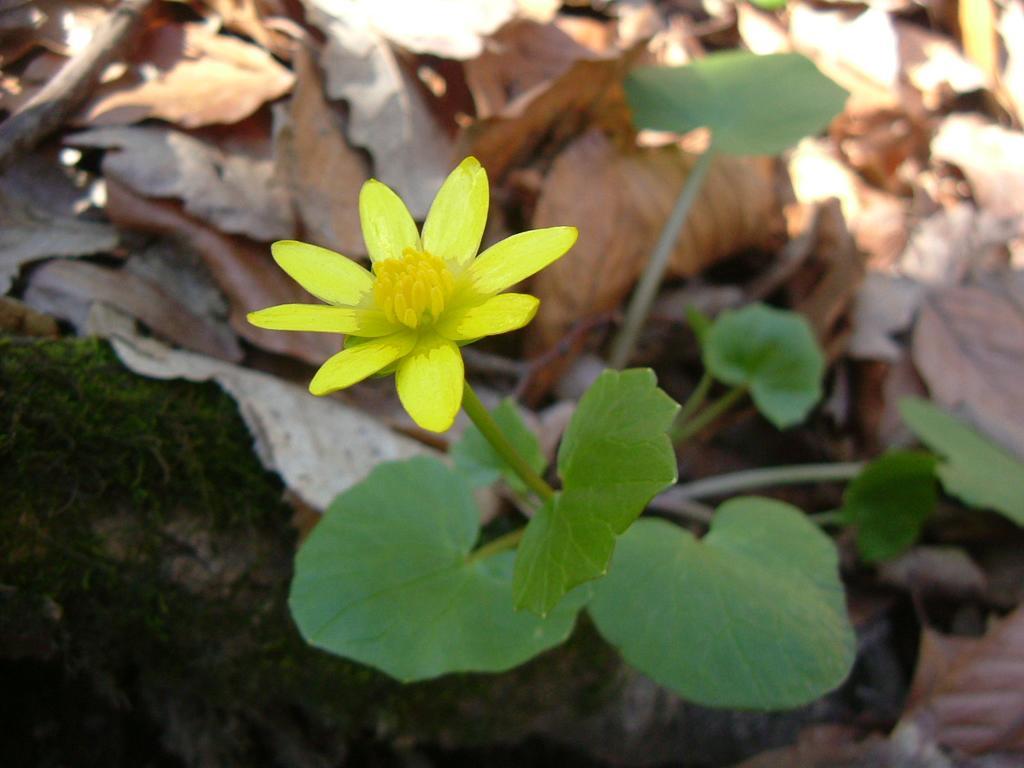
771 351
974 469
754 105
753 615
386 579
889 501
614 458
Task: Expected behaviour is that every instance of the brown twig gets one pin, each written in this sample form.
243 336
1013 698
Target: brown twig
46 111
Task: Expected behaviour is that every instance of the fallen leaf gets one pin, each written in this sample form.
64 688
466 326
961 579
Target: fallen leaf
909 65
620 200
968 345
38 221
877 220
389 114
885 307
992 159
242 269
191 76
522 60
318 445
253 19
233 189
968 694
451 29
589 95
1011 29
947 572
19 319
67 289
315 163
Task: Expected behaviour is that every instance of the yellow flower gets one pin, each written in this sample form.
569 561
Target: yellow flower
424 297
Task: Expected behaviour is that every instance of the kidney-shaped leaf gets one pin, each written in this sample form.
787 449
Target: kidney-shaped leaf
614 458
480 464
754 105
771 351
975 469
889 501
386 579
750 616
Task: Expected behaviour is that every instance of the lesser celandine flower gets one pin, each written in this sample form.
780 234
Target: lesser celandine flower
426 294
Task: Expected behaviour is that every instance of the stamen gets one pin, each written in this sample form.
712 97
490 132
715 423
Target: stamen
413 289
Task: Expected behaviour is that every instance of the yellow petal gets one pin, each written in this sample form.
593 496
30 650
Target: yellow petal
327 275
325 318
498 314
388 228
355 363
430 381
455 222
516 258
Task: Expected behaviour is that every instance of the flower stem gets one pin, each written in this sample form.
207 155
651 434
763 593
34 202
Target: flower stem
640 305
683 431
492 432
500 544
695 400
735 482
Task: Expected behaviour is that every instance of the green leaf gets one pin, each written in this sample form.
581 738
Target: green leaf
699 322
771 351
481 465
754 105
769 5
889 501
614 457
752 615
976 470
385 580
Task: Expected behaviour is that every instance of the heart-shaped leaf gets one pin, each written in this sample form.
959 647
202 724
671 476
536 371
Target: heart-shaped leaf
387 579
615 456
889 501
752 615
975 469
754 105
481 465
771 351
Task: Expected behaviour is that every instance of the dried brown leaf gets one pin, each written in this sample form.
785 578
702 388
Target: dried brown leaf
34 228
1011 29
969 347
968 694
193 77
243 270
250 18
315 163
523 60
992 159
935 571
68 288
389 114
620 200
542 119
232 188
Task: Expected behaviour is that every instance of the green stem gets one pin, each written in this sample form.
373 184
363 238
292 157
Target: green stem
492 432
695 400
500 544
640 305
735 482
683 431
831 517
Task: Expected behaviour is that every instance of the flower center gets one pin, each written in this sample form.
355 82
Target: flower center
413 289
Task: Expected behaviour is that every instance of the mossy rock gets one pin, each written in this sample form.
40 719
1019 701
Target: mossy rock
147 551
